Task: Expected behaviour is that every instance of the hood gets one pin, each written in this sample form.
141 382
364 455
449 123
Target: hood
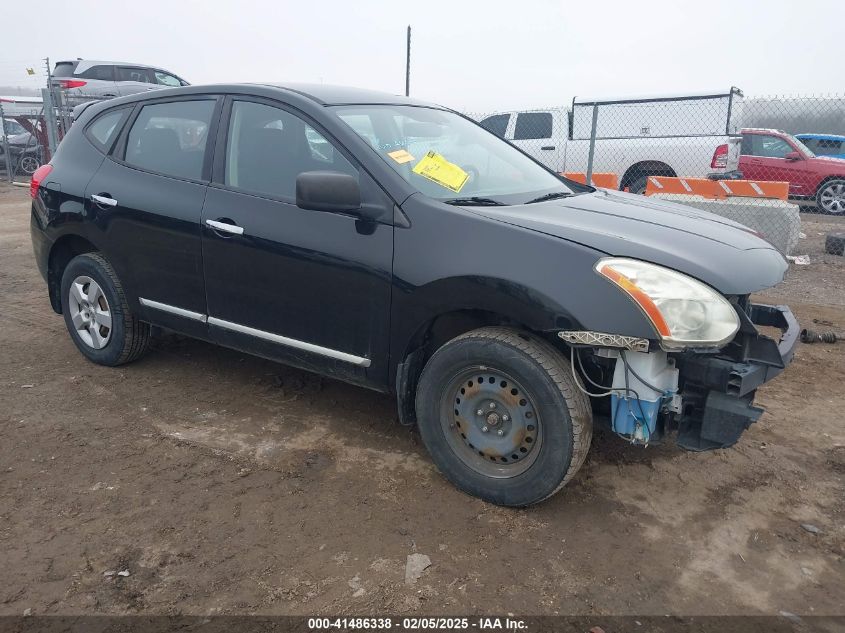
724 254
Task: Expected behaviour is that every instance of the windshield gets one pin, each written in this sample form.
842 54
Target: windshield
450 158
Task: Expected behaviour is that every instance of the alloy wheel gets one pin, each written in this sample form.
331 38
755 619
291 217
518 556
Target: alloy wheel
832 197
29 164
90 312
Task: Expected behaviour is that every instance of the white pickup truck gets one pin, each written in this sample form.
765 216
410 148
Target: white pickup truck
690 135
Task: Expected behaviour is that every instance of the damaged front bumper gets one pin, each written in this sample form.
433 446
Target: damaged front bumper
718 390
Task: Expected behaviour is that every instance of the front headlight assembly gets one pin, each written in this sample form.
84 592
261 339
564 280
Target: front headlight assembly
684 311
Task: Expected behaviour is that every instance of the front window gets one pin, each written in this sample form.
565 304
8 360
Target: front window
450 158
163 79
268 148
770 146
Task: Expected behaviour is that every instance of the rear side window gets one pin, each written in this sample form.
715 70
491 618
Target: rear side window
268 148
497 124
101 72
143 75
105 128
531 125
170 138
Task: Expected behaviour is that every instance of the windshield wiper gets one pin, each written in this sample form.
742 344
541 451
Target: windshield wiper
474 201
550 196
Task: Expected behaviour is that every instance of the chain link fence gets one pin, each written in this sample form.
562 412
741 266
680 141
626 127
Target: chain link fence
36 110
755 160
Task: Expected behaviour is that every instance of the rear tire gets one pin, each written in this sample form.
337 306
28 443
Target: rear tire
97 315
520 389
638 186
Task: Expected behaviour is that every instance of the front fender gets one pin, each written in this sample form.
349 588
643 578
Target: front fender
540 281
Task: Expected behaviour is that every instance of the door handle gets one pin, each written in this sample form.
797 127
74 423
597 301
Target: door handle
225 227
547 147
104 200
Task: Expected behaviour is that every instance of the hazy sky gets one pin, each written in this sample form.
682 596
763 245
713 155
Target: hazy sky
477 56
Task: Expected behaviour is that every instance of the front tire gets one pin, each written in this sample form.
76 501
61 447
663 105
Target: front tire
830 197
97 315
501 416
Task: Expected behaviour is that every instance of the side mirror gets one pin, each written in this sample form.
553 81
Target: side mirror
793 156
327 191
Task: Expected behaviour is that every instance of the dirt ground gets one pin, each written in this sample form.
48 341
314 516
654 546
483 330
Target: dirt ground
226 484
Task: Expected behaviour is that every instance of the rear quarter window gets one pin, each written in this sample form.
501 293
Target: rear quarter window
104 129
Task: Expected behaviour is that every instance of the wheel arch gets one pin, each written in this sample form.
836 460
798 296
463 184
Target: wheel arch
63 250
826 180
431 335
645 168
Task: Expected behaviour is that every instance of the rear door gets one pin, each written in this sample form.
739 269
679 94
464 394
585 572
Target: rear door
308 288
131 80
147 200
99 80
533 133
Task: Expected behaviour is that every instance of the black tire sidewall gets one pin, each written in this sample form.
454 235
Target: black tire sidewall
112 353
547 472
641 182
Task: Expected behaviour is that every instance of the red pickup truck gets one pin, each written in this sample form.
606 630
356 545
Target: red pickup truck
775 155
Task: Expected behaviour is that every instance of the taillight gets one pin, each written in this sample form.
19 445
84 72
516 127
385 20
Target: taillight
37 176
720 157
71 83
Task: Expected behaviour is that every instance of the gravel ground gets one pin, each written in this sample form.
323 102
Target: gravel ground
226 484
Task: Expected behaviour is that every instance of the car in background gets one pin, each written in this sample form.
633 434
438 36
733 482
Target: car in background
832 145
26 153
12 128
8 129
84 80
769 154
690 135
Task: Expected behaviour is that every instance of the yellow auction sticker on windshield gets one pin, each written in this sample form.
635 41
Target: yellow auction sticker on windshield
401 156
437 169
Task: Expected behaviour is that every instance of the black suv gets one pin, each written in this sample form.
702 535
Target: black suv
400 246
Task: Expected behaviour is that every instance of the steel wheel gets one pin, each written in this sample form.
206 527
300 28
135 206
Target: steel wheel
29 164
491 423
832 197
90 312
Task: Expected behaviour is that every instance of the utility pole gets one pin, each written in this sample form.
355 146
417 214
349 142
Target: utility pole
408 64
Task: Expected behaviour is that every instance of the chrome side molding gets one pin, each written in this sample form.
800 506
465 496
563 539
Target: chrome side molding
360 361
164 307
